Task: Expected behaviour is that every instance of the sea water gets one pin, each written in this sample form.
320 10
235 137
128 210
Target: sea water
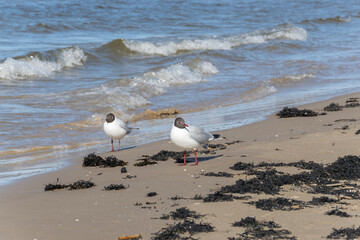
220 64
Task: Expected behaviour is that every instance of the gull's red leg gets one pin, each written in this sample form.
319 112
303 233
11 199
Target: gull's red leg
183 164
196 163
112 145
119 145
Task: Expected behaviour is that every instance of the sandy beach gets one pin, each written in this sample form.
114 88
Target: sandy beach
29 212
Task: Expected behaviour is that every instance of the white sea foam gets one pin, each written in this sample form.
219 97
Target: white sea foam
31 67
284 31
153 83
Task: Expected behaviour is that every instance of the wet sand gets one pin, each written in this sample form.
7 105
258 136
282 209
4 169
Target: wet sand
28 212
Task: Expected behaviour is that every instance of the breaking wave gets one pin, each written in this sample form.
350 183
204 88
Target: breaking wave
284 31
41 65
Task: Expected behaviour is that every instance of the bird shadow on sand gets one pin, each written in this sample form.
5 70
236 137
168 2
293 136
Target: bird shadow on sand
200 159
126 148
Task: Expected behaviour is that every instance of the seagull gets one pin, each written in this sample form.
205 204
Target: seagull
188 137
115 128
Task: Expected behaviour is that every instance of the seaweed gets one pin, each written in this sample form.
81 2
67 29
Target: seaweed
337 212
271 181
287 112
93 160
52 187
218 197
239 166
333 107
261 230
322 200
80 184
345 168
219 174
151 194
173 232
181 213
279 203
114 187
251 222
144 162
352 105
344 233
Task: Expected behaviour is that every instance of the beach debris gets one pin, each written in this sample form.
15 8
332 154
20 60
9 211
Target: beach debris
333 107
357 132
144 162
181 213
319 177
352 102
174 231
345 233
123 170
287 112
176 198
52 187
322 200
80 184
151 194
279 203
337 212
163 155
133 237
197 197
261 230
93 160
114 187
352 105
219 174
346 120
218 197
129 176
345 127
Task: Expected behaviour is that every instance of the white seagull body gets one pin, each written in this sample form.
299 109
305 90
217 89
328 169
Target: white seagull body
115 128
188 137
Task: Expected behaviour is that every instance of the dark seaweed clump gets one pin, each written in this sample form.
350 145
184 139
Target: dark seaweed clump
345 168
333 107
280 203
151 194
144 162
322 200
352 102
337 212
114 187
164 155
261 230
287 112
80 184
218 197
189 226
181 213
93 160
271 181
219 174
345 233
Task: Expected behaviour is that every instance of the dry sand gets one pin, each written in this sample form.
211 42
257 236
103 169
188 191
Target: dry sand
28 212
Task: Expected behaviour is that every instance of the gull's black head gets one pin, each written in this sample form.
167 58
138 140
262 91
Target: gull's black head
180 123
110 118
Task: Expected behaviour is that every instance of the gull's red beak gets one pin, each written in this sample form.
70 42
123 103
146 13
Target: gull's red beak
185 125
